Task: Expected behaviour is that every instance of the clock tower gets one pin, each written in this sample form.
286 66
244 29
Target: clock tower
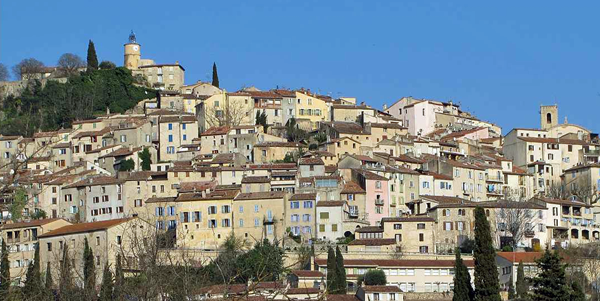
132 53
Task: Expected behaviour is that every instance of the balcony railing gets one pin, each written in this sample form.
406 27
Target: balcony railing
378 202
353 213
529 233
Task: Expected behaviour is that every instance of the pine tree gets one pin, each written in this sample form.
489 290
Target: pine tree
106 290
215 77
550 284
340 272
487 287
89 271
522 286
332 279
118 291
33 280
4 272
92 59
463 290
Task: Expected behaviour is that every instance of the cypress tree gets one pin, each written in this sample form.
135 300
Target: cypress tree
463 290
332 279
522 286
106 290
118 291
48 283
215 76
92 59
4 273
65 286
511 289
487 287
33 280
550 284
341 272
89 272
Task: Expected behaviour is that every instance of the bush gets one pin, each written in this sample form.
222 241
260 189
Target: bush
467 246
375 277
507 249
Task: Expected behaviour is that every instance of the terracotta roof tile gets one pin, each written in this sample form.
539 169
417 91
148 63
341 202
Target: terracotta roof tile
85 227
260 195
33 223
352 188
303 196
373 242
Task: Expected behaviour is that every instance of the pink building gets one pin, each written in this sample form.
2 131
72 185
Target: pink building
377 195
418 115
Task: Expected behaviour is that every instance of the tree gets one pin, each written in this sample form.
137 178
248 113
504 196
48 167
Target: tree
264 262
487 287
511 289
261 119
144 155
127 165
18 204
4 272
33 280
39 214
4 76
463 290
70 63
65 286
517 218
375 277
89 271
48 283
342 285
215 76
119 290
107 65
28 69
522 285
228 112
293 132
467 246
92 59
551 282
332 272
106 290
577 293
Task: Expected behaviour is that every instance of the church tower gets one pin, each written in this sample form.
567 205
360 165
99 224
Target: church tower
132 53
548 116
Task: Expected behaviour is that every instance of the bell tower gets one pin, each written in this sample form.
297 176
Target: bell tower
132 53
548 116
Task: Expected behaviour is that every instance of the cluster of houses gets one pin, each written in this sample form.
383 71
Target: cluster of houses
396 186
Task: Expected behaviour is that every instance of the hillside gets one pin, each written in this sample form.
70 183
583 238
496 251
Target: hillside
55 105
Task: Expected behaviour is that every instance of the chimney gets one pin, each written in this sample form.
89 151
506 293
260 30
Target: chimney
176 62
107 111
384 106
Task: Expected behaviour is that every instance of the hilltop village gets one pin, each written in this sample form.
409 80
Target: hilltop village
185 172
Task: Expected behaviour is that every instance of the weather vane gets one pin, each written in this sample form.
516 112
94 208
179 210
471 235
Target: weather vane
132 37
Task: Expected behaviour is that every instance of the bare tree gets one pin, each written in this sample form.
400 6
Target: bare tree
3 73
69 63
233 112
515 217
28 69
557 191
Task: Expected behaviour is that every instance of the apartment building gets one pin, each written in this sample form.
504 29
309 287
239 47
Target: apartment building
175 131
21 240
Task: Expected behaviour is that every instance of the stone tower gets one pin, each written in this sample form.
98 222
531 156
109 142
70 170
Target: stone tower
548 116
132 53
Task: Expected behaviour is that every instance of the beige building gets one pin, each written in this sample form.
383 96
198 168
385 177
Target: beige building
21 240
260 215
267 152
175 131
107 239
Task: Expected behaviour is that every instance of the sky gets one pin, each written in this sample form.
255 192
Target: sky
500 60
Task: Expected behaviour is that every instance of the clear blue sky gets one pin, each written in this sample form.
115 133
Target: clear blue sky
499 60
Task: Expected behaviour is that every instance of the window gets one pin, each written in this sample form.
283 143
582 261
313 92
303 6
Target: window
137 203
421 237
170 126
421 226
308 204
97 240
378 184
184 137
183 126
170 138
397 226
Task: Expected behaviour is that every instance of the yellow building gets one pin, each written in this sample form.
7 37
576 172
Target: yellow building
260 215
205 219
310 107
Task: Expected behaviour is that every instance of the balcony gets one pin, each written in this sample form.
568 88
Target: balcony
379 202
353 213
529 233
496 179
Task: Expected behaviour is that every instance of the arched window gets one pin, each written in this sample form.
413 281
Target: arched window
549 117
